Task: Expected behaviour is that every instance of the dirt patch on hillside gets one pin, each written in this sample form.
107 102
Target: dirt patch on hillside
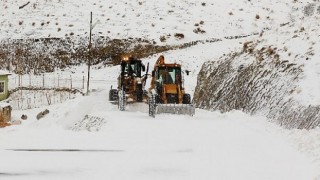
36 56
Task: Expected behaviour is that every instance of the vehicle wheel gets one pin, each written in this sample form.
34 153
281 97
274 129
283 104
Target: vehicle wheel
113 95
122 100
152 105
186 99
158 99
139 93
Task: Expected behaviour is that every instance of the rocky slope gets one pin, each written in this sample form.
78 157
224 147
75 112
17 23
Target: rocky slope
273 75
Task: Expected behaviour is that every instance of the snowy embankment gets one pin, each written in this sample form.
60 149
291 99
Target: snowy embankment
275 74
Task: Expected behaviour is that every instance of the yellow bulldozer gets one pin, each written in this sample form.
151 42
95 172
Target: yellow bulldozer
167 93
131 83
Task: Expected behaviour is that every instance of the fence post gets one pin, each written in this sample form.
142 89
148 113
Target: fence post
70 82
43 80
82 82
30 80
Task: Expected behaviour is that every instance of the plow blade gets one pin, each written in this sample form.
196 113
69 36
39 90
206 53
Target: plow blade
187 109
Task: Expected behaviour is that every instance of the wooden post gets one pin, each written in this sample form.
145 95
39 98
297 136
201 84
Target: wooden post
70 82
29 79
89 59
43 80
21 85
82 82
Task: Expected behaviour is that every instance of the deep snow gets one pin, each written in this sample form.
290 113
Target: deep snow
130 145
88 138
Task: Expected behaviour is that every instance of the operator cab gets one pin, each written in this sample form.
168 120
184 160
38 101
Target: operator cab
169 75
132 67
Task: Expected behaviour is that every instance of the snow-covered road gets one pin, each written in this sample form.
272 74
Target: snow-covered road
131 145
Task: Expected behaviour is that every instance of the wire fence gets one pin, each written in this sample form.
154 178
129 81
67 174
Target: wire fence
34 91
47 81
29 99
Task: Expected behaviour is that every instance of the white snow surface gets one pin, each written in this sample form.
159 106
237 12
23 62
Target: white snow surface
89 138
130 145
110 144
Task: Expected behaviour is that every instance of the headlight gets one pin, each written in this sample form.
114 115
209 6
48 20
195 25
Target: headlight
139 81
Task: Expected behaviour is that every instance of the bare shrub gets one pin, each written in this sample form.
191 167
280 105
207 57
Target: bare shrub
246 45
199 30
270 51
179 35
309 9
163 38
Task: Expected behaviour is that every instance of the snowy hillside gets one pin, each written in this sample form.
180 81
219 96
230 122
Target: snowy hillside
276 74
86 137
59 30
142 19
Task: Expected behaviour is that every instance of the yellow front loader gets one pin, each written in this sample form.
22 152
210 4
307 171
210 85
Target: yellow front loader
167 93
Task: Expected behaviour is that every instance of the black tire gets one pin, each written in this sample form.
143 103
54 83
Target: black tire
122 100
139 93
186 99
158 99
152 106
113 95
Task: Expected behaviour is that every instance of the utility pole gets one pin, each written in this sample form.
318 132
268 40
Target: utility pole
89 60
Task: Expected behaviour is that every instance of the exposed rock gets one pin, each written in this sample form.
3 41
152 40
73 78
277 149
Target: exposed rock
42 114
24 117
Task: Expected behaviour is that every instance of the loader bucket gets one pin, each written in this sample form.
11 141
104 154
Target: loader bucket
187 109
